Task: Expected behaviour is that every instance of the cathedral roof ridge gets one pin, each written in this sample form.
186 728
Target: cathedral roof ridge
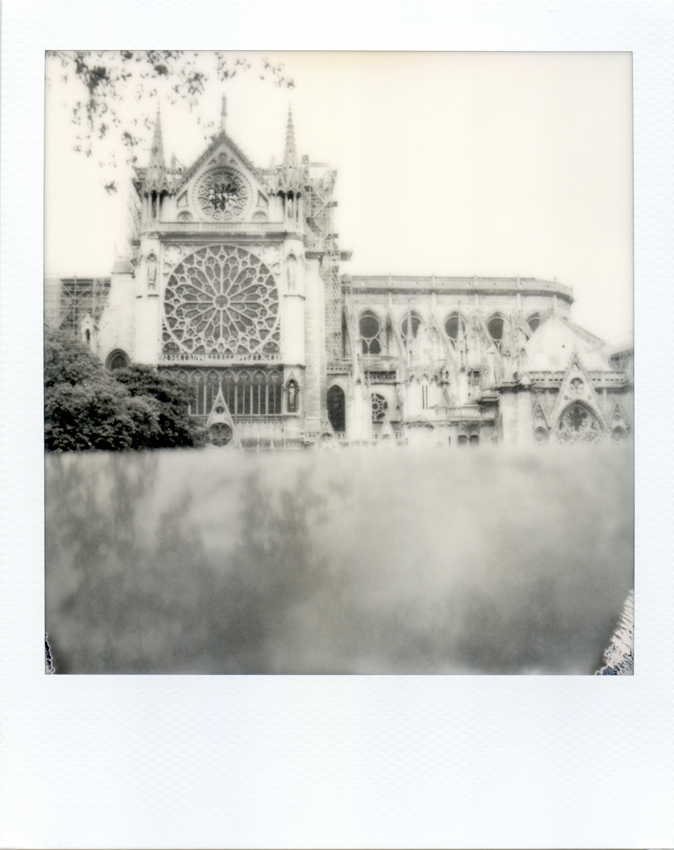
463 282
217 139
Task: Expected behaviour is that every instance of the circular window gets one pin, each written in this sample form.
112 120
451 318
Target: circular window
495 327
455 327
221 301
379 407
220 434
222 194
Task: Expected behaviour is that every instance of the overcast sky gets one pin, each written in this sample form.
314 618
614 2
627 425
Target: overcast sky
481 164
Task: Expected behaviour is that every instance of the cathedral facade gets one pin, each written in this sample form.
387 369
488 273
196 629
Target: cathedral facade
233 281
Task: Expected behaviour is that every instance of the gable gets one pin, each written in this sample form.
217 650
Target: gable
577 388
222 186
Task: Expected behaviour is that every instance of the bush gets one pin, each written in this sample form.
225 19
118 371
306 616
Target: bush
87 408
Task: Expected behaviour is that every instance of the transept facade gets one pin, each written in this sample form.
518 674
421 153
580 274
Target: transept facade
234 281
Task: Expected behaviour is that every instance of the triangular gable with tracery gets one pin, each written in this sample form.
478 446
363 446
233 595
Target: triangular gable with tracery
539 416
220 416
326 437
576 388
220 144
387 436
617 419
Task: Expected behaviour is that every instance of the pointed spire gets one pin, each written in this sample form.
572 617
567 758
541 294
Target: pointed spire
290 152
157 166
157 152
223 114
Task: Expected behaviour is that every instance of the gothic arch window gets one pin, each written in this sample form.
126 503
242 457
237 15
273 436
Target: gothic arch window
228 385
337 408
198 405
410 326
379 407
474 440
455 327
534 321
87 335
463 440
212 389
244 392
496 328
274 390
117 359
259 392
370 330
618 435
221 302
578 424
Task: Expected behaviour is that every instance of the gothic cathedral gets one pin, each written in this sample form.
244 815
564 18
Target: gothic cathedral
233 281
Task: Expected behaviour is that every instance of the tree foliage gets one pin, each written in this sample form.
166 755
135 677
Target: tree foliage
87 408
110 93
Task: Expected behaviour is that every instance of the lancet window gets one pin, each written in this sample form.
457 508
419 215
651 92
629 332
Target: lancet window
337 408
370 332
247 392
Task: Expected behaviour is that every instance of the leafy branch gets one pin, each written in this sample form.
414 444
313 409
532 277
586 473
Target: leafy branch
108 94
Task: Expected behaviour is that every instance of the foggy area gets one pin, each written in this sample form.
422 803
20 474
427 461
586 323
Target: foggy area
356 561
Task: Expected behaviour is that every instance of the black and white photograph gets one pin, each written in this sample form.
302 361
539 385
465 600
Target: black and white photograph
339 363
335 455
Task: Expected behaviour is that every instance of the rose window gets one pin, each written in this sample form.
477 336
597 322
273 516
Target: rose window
578 424
222 194
221 303
220 434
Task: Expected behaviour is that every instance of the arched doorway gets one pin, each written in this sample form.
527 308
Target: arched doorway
117 359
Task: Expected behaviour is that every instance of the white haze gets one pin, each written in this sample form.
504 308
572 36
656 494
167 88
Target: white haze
389 561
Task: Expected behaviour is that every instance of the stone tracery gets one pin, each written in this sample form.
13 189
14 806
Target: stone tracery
221 302
578 424
222 194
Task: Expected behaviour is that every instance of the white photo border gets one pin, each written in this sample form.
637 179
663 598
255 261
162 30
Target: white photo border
183 761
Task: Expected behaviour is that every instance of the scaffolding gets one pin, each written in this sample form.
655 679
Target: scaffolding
74 299
319 210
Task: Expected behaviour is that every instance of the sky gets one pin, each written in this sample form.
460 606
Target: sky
487 164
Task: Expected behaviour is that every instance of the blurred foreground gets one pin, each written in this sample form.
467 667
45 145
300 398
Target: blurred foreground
211 561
